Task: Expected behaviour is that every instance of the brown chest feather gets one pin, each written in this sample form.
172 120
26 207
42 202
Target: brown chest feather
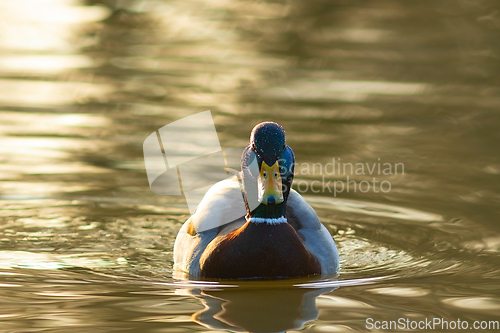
260 251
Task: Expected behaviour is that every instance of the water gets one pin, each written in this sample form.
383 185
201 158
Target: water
85 246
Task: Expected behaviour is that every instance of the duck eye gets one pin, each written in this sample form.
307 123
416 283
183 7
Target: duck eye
275 174
264 174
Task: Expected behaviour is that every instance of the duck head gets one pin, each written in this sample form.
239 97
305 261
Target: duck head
267 171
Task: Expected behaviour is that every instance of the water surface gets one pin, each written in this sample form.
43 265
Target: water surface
85 246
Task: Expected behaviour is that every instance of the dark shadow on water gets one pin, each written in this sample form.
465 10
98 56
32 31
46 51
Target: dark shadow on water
261 306
257 310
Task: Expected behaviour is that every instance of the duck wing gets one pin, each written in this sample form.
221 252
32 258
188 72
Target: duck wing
313 234
221 211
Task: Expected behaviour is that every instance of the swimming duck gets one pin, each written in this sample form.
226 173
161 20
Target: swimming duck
279 237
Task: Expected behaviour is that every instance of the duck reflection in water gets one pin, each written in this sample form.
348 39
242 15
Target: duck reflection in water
256 308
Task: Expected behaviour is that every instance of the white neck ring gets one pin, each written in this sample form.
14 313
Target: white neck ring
278 220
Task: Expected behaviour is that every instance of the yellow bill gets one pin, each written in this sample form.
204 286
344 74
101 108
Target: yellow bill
270 186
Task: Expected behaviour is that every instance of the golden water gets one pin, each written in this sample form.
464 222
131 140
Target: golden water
85 246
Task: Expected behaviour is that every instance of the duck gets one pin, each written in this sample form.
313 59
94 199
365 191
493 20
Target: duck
254 225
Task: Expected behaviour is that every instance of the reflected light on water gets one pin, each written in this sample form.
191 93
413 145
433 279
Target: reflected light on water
474 303
375 209
487 244
350 35
400 291
49 93
349 91
19 123
31 260
12 143
45 189
43 64
38 25
340 302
